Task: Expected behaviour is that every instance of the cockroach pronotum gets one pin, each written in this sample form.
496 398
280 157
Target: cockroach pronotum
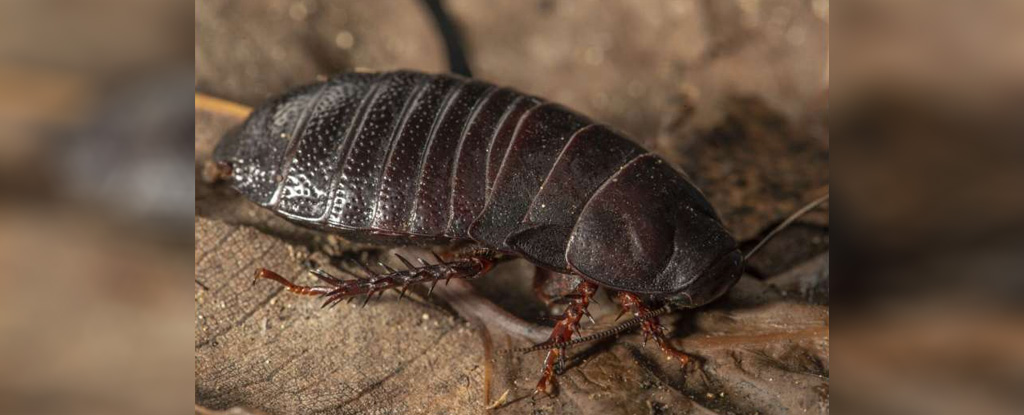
405 157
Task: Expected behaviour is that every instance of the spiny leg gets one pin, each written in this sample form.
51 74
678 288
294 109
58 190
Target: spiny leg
563 331
470 265
651 327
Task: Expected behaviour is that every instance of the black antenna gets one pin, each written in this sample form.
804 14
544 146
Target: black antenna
792 218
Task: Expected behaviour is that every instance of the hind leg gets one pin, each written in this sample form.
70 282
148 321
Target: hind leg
469 265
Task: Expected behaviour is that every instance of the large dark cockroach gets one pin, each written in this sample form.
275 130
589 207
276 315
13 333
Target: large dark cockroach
405 157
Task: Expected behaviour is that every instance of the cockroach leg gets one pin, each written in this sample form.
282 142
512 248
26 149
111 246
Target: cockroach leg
298 289
563 331
651 326
465 267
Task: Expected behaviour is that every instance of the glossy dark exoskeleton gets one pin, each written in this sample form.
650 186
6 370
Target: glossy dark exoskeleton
410 157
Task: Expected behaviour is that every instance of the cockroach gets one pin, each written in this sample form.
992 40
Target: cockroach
405 157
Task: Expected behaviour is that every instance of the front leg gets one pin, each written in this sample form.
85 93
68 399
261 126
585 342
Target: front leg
651 326
563 331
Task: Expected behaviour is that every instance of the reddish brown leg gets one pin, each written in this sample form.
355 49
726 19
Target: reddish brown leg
566 326
298 289
470 266
651 327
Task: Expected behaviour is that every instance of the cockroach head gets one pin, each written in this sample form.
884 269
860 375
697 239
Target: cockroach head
650 231
716 279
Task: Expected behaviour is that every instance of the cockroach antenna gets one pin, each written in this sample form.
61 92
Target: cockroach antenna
785 224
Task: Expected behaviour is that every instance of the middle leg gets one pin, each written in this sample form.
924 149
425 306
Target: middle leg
563 331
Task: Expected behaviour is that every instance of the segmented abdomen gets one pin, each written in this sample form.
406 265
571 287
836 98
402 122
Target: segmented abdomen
409 154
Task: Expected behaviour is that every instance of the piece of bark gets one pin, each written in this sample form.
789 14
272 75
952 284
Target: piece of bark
281 353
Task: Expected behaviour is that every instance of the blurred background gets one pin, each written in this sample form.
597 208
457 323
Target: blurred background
95 206
95 179
929 106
